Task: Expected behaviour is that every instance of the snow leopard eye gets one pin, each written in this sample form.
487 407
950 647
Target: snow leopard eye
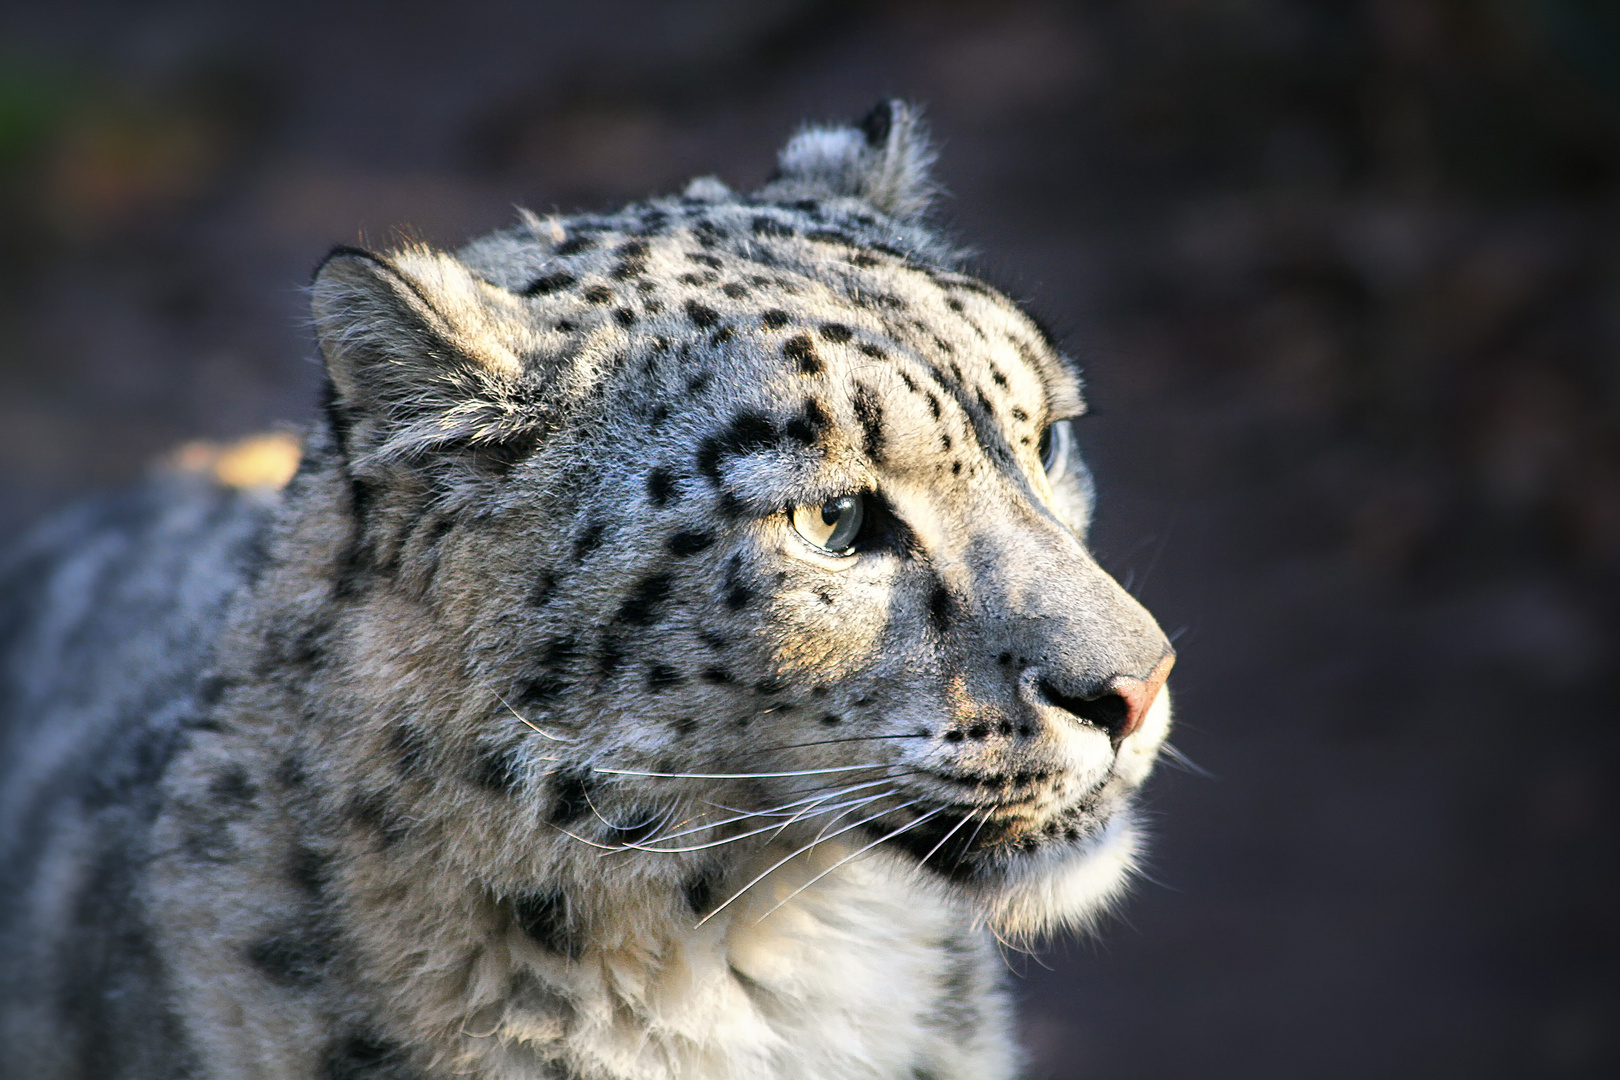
831 526
1056 443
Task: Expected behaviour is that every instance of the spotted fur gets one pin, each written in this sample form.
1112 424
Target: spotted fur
522 734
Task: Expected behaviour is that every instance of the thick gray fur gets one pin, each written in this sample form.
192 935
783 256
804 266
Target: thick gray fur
527 733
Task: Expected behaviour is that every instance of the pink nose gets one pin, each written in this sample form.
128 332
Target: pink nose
1139 695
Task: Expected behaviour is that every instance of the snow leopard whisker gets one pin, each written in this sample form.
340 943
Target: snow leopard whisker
813 801
536 728
823 835
912 824
775 826
737 776
828 742
786 809
1184 762
947 836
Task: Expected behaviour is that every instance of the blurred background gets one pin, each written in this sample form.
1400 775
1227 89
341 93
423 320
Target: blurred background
1346 281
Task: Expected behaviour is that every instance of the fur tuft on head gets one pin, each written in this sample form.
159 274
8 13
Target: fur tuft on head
884 159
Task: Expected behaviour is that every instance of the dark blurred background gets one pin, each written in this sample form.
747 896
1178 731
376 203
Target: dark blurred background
1346 281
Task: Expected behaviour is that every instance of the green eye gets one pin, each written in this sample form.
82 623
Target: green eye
831 526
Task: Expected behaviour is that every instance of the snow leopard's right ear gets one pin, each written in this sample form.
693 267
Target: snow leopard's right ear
425 359
884 158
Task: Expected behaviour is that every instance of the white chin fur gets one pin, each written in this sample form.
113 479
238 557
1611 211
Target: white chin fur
1065 888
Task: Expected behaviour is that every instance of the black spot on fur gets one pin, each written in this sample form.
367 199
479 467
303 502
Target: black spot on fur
699 889
718 676
837 333
629 268
560 652
296 957
372 812
941 608
538 692
410 748
748 432
809 425
548 284
702 315
365 1056
722 335
868 349
663 677
571 794
704 259
640 608
610 655
696 383
496 770
660 487
774 319
308 871
574 245
833 236
767 226
877 124
870 413
589 540
689 542
544 917
831 719
544 589
799 349
734 290
233 789
737 593
290 772
624 316
685 726
566 326
770 686
597 294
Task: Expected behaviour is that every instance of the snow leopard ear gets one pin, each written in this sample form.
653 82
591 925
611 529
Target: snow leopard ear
884 159
422 360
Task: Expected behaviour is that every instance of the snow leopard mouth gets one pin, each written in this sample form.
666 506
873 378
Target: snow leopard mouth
972 844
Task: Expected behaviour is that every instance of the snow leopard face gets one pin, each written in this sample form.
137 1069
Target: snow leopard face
723 526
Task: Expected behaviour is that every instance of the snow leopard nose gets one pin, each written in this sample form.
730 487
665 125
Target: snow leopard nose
1120 706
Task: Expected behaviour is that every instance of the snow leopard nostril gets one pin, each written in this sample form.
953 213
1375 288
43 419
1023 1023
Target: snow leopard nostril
1107 711
1121 706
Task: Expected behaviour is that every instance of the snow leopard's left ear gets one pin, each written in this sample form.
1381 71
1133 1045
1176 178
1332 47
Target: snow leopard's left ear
884 159
426 360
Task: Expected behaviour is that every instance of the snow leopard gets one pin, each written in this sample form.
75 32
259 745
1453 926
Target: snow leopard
677 653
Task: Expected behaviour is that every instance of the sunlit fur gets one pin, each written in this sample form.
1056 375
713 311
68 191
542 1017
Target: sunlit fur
522 735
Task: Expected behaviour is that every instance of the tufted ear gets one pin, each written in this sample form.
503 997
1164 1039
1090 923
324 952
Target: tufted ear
884 159
421 360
